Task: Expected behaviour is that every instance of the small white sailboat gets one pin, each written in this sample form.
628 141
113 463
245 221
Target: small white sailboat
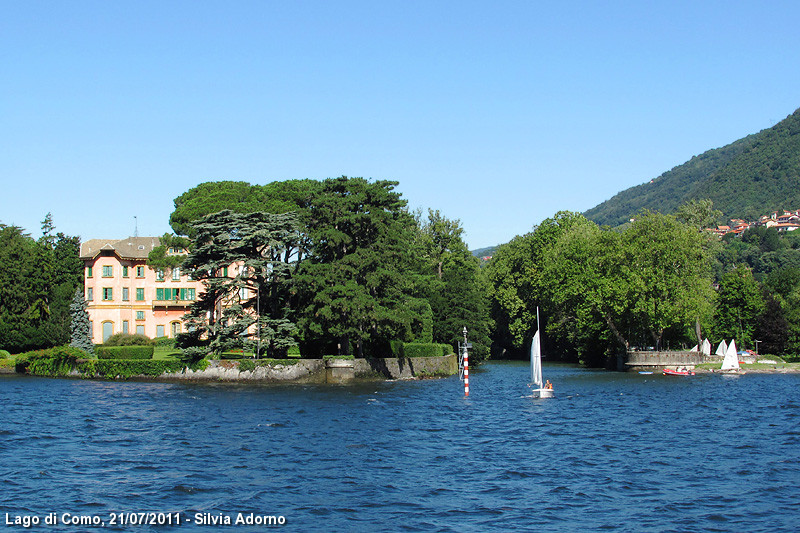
537 384
731 361
706 348
722 348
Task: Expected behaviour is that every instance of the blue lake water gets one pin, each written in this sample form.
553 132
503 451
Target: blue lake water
612 452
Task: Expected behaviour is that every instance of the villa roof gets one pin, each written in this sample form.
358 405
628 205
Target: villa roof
129 248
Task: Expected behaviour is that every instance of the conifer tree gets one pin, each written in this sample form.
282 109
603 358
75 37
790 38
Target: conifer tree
239 259
79 325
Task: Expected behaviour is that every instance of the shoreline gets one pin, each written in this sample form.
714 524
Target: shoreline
298 371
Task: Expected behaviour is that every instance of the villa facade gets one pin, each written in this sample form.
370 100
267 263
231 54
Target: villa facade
124 295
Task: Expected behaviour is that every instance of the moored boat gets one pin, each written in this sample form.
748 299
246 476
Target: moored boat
670 372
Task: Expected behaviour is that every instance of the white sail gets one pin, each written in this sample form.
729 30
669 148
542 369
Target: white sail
706 347
722 348
731 361
536 362
695 348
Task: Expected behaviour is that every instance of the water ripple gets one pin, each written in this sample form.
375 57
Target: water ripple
611 452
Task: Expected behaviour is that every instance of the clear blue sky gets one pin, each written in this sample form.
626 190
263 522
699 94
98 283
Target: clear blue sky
496 113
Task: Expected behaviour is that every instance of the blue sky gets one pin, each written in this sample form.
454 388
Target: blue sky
496 113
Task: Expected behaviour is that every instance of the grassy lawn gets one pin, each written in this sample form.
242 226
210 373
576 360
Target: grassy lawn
165 353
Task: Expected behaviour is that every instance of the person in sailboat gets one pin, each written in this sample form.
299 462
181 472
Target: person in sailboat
548 385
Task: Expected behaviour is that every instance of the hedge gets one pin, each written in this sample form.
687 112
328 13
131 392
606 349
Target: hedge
420 349
125 352
128 339
4 354
126 368
57 361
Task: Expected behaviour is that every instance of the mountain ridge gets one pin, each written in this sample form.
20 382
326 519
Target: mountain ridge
751 176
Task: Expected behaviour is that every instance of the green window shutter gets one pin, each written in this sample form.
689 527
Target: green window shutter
191 294
140 294
183 294
159 294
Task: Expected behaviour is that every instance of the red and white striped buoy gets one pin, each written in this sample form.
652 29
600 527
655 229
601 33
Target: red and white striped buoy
466 373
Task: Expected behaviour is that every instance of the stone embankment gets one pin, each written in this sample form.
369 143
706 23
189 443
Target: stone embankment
321 371
653 361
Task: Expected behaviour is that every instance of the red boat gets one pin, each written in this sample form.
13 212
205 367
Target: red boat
668 372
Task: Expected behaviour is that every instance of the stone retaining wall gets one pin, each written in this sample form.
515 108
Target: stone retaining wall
324 371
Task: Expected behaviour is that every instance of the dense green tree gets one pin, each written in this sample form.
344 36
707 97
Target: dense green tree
37 281
772 328
518 283
606 290
356 286
80 327
458 293
669 274
255 291
740 304
699 214
240 197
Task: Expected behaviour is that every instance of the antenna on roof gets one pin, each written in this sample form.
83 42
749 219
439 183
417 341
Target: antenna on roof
135 226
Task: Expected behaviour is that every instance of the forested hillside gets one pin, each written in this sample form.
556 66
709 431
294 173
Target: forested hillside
745 179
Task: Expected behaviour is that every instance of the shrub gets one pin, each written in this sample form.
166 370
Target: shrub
168 342
4 354
293 351
326 357
126 368
425 349
125 352
128 339
57 361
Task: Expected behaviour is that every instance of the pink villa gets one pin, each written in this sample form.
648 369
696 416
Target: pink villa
124 295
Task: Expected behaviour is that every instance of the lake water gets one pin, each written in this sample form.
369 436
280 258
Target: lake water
612 452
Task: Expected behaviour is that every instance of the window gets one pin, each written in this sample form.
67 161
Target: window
176 328
160 331
125 326
108 330
160 275
140 330
88 272
89 294
187 294
139 316
139 294
126 294
167 294
108 271
125 273
139 271
108 294
176 274
225 272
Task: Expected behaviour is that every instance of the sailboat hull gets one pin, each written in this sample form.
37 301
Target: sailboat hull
543 393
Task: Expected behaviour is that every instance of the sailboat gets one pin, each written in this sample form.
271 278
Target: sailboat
731 361
537 384
706 348
722 348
